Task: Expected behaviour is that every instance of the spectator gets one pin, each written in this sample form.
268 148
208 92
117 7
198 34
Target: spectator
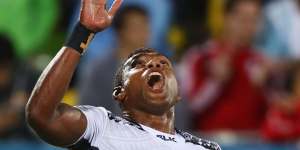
160 16
279 40
14 91
283 119
280 35
223 79
132 26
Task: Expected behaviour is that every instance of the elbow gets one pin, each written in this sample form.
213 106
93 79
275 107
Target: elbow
33 115
35 121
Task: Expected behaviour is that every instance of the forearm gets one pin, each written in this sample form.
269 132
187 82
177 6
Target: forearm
52 84
56 123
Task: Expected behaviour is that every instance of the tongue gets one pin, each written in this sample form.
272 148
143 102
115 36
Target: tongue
157 85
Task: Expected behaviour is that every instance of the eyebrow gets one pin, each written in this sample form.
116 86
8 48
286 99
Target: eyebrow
137 56
132 58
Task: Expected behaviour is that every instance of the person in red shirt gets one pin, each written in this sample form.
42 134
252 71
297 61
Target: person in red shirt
283 119
223 79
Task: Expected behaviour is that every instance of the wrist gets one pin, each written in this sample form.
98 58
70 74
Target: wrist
80 38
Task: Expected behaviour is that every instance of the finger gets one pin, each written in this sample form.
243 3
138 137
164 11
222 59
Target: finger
85 4
114 8
99 2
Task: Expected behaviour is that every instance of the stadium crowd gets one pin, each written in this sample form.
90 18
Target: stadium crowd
237 62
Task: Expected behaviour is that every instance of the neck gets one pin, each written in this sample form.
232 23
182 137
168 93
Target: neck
163 123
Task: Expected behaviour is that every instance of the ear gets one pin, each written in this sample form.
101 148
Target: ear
119 94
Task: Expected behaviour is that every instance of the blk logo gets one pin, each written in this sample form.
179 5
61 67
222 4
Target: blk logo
166 138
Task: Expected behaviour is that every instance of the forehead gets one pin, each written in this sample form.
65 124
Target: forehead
144 56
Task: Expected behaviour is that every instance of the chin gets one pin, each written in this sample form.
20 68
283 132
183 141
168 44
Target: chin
159 91
156 103
158 100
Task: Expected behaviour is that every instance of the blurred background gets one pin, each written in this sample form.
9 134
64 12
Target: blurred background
237 62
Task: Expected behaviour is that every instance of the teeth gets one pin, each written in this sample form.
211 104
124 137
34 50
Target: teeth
155 73
153 78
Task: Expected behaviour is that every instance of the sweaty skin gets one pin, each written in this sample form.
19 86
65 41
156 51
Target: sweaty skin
61 125
151 108
57 123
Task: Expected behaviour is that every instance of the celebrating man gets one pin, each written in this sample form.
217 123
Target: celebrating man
145 87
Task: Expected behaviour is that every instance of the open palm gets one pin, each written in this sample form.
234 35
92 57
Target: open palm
94 15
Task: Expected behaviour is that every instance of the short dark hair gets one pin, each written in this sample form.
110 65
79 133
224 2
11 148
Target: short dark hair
231 4
118 80
120 17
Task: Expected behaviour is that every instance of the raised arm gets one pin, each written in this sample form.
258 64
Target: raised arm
57 123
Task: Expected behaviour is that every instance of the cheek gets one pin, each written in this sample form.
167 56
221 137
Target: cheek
133 80
172 85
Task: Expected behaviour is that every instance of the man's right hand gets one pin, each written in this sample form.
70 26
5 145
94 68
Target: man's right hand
94 15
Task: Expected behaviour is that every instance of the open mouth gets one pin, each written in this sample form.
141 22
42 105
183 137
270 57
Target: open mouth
155 81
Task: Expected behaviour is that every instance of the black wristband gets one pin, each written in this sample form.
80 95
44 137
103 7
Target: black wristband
80 38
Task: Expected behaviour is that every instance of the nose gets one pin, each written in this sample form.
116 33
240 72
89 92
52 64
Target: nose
156 63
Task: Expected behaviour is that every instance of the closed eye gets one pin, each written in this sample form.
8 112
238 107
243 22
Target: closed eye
137 63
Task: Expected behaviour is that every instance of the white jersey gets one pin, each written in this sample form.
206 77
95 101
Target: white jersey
106 131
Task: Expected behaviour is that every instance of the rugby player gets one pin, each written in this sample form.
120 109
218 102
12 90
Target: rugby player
145 88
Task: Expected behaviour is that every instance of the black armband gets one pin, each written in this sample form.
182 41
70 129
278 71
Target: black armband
80 38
